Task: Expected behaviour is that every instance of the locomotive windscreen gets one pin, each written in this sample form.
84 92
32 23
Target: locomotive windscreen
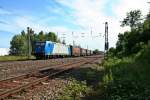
40 43
40 46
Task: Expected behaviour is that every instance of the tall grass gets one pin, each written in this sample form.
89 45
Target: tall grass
128 78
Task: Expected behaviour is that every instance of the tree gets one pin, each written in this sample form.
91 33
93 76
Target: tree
96 51
41 36
51 36
20 43
132 19
112 51
23 33
131 42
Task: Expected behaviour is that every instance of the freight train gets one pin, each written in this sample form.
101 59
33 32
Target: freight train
49 49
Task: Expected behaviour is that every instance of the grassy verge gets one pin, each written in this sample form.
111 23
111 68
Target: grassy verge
123 79
83 81
75 90
127 78
15 58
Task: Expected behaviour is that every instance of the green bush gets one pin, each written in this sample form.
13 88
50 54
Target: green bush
128 78
74 91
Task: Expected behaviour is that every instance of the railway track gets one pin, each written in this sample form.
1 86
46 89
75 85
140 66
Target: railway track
11 86
45 68
9 70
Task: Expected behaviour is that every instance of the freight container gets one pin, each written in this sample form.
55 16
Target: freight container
91 52
83 52
88 52
75 51
61 49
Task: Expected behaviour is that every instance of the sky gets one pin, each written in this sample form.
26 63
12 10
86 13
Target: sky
81 21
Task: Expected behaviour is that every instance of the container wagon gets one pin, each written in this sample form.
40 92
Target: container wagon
91 52
83 52
88 52
75 51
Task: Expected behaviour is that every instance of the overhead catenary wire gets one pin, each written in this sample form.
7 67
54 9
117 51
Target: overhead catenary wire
149 6
73 36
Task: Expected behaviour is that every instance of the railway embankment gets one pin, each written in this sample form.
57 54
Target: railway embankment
82 81
114 79
126 78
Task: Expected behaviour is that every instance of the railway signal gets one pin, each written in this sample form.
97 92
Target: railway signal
73 41
91 31
106 46
149 6
29 43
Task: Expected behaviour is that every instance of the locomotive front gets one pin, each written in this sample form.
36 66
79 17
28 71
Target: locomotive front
39 49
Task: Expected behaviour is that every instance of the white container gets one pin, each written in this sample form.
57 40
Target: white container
60 49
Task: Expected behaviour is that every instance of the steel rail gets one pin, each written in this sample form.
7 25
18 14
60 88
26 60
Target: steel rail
37 71
22 87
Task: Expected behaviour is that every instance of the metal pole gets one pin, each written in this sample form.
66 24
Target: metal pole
149 6
91 31
64 38
73 42
57 34
149 14
106 47
29 53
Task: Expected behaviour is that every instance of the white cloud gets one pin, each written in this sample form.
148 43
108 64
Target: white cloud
90 13
85 14
128 5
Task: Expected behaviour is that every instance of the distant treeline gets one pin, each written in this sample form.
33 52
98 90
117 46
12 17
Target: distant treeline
131 42
20 43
